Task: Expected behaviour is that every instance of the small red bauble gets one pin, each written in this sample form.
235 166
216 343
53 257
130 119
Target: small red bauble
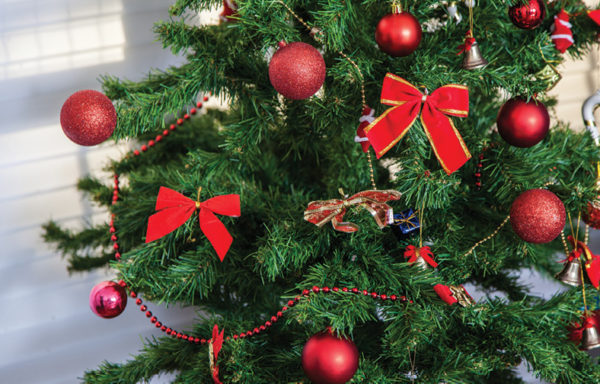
327 359
537 216
88 117
297 70
527 15
592 215
523 123
108 299
398 34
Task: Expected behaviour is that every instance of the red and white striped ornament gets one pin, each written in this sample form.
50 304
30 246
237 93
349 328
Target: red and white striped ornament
229 9
367 118
562 36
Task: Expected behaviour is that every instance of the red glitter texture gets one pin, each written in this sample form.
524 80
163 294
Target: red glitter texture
297 70
88 117
537 216
592 216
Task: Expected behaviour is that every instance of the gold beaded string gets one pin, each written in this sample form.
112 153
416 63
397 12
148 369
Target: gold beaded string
564 242
576 231
315 33
496 231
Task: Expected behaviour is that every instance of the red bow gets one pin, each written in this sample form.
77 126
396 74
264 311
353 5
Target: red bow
322 211
213 352
174 209
469 41
595 15
592 262
406 99
412 253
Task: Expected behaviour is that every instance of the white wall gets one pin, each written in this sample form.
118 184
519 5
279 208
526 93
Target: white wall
49 49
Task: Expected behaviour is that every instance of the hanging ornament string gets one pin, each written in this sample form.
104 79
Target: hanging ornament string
492 235
470 4
316 34
575 240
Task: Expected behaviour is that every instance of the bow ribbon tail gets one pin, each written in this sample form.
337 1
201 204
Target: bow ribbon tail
382 213
469 41
173 209
391 126
595 15
213 352
427 255
411 254
592 264
447 143
215 232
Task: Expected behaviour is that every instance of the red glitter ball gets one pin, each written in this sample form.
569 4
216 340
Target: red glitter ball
537 216
297 70
88 117
592 215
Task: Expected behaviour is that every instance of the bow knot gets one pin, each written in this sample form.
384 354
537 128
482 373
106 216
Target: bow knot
323 211
412 253
173 209
407 103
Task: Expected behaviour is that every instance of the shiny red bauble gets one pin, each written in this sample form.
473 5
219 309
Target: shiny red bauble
537 216
527 15
88 117
591 216
523 123
327 359
398 34
297 70
108 299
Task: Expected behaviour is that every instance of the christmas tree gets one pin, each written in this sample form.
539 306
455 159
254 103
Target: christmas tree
419 130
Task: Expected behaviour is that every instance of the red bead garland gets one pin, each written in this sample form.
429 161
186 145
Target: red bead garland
263 327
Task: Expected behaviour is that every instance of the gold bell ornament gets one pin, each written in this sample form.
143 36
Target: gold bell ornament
422 257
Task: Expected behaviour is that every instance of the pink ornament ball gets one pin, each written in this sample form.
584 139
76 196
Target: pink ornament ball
108 299
88 117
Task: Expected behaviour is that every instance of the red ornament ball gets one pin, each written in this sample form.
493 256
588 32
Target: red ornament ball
527 15
523 123
108 299
88 117
592 215
327 359
297 70
398 34
537 216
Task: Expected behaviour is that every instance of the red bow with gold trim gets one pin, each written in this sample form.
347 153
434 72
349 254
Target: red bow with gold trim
592 262
406 101
174 209
594 15
323 211
412 253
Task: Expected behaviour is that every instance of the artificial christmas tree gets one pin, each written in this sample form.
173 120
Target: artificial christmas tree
283 279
